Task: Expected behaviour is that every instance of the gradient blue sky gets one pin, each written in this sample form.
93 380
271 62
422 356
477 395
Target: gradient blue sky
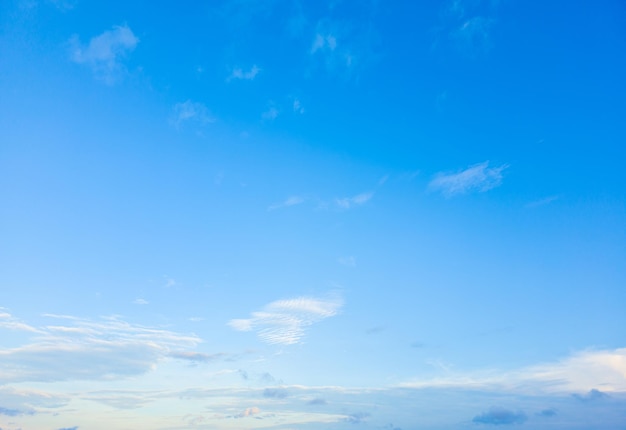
289 214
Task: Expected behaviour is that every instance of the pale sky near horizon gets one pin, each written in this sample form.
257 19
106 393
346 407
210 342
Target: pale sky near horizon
288 214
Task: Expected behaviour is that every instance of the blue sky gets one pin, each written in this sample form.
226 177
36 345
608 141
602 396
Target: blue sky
316 215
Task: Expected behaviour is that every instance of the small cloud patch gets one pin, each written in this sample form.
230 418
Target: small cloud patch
591 396
104 53
500 416
357 417
547 413
285 321
476 178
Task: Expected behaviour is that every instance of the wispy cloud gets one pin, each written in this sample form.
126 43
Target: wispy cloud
356 417
472 37
7 321
275 393
358 200
118 400
197 357
297 106
141 301
343 46
579 373
466 26
27 401
240 74
64 5
248 412
323 42
170 282
542 202
104 53
285 321
79 349
499 416
547 413
592 396
190 111
476 178
349 261
290 201
271 113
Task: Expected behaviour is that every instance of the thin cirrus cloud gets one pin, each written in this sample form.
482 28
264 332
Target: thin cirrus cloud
248 412
285 321
500 416
580 373
290 201
190 112
476 178
323 42
472 37
80 349
271 113
104 53
240 74
467 26
357 200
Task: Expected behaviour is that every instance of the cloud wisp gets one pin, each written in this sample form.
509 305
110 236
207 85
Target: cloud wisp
240 74
104 53
476 178
285 321
499 416
580 373
290 201
79 349
472 37
190 112
357 200
467 26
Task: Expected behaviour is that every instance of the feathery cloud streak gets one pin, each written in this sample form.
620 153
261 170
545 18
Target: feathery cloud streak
190 111
497 416
239 74
479 178
582 372
358 200
78 349
290 201
285 321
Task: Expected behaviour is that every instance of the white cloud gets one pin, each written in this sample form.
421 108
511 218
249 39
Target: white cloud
359 199
472 36
190 111
82 349
297 106
270 114
248 412
141 302
7 321
104 52
290 201
603 370
12 397
479 177
240 74
323 42
347 261
285 321
170 282
542 202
